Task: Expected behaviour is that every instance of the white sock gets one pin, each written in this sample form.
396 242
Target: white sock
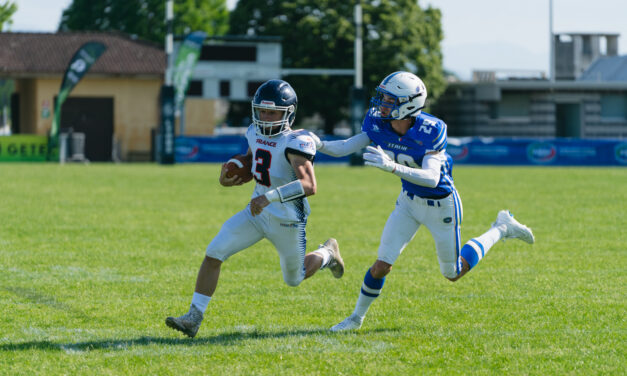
201 301
490 237
363 303
325 253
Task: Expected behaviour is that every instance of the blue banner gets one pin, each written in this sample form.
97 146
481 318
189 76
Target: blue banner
488 151
209 149
542 152
220 148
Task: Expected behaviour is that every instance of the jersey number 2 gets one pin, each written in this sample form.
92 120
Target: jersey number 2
401 158
263 159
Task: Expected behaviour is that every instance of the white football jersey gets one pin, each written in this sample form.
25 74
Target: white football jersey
271 168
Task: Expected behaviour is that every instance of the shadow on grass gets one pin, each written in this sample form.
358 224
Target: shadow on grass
224 339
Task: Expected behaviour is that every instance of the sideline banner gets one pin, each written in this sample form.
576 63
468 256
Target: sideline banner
221 148
483 151
23 148
540 152
209 149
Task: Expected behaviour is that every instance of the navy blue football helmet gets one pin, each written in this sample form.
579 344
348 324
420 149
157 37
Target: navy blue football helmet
274 95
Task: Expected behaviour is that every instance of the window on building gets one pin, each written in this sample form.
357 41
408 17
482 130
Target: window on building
252 87
511 105
225 89
228 53
587 45
614 106
195 89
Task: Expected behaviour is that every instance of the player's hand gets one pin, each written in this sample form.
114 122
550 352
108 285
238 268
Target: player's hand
229 182
376 157
257 204
316 140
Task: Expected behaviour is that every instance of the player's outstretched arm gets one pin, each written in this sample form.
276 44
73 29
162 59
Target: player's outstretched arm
341 148
427 176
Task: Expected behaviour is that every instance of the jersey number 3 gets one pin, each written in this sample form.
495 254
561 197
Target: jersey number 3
263 159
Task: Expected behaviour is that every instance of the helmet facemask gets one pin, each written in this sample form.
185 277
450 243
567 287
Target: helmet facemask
403 93
272 128
275 95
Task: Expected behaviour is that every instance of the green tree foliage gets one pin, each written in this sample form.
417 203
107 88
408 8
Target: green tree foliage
398 35
7 8
146 18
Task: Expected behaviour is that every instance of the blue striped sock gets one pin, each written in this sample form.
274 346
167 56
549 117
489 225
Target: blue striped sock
372 286
370 290
472 252
476 248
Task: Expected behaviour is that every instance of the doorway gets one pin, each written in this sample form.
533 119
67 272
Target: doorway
568 120
94 118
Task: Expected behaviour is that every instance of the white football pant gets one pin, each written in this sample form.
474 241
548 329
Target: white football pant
243 230
443 219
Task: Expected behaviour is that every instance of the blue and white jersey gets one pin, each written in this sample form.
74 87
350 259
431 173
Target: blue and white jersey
426 135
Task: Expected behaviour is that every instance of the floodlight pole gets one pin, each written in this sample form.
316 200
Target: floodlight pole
552 44
358 94
359 82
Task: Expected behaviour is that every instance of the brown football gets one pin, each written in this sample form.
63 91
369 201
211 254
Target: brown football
241 166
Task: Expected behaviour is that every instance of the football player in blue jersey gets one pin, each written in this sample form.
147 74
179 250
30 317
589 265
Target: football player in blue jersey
411 144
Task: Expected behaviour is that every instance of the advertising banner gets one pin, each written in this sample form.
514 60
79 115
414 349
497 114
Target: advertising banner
541 152
23 148
166 129
80 63
186 59
482 151
220 148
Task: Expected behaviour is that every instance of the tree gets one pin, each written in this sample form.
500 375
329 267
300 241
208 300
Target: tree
6 12
146 18
398 35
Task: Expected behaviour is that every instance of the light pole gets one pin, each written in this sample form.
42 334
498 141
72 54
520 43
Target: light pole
358 94
552 44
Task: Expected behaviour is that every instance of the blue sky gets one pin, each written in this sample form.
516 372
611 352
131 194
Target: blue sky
478 34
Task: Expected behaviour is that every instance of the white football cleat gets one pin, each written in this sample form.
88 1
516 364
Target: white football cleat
513 229
336 264
189 323
352 322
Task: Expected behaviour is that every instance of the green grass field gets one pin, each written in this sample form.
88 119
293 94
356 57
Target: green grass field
93 258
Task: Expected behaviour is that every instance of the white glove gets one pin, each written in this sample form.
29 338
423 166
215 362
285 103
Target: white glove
376 157
316 140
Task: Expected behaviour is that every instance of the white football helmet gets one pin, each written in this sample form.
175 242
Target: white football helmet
408 96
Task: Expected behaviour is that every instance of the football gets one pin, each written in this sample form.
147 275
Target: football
241 166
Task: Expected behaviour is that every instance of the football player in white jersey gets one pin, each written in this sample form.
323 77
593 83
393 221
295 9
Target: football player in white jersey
284 174
411 144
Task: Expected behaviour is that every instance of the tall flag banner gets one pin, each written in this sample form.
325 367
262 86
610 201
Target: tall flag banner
165 153
82 60
186 59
